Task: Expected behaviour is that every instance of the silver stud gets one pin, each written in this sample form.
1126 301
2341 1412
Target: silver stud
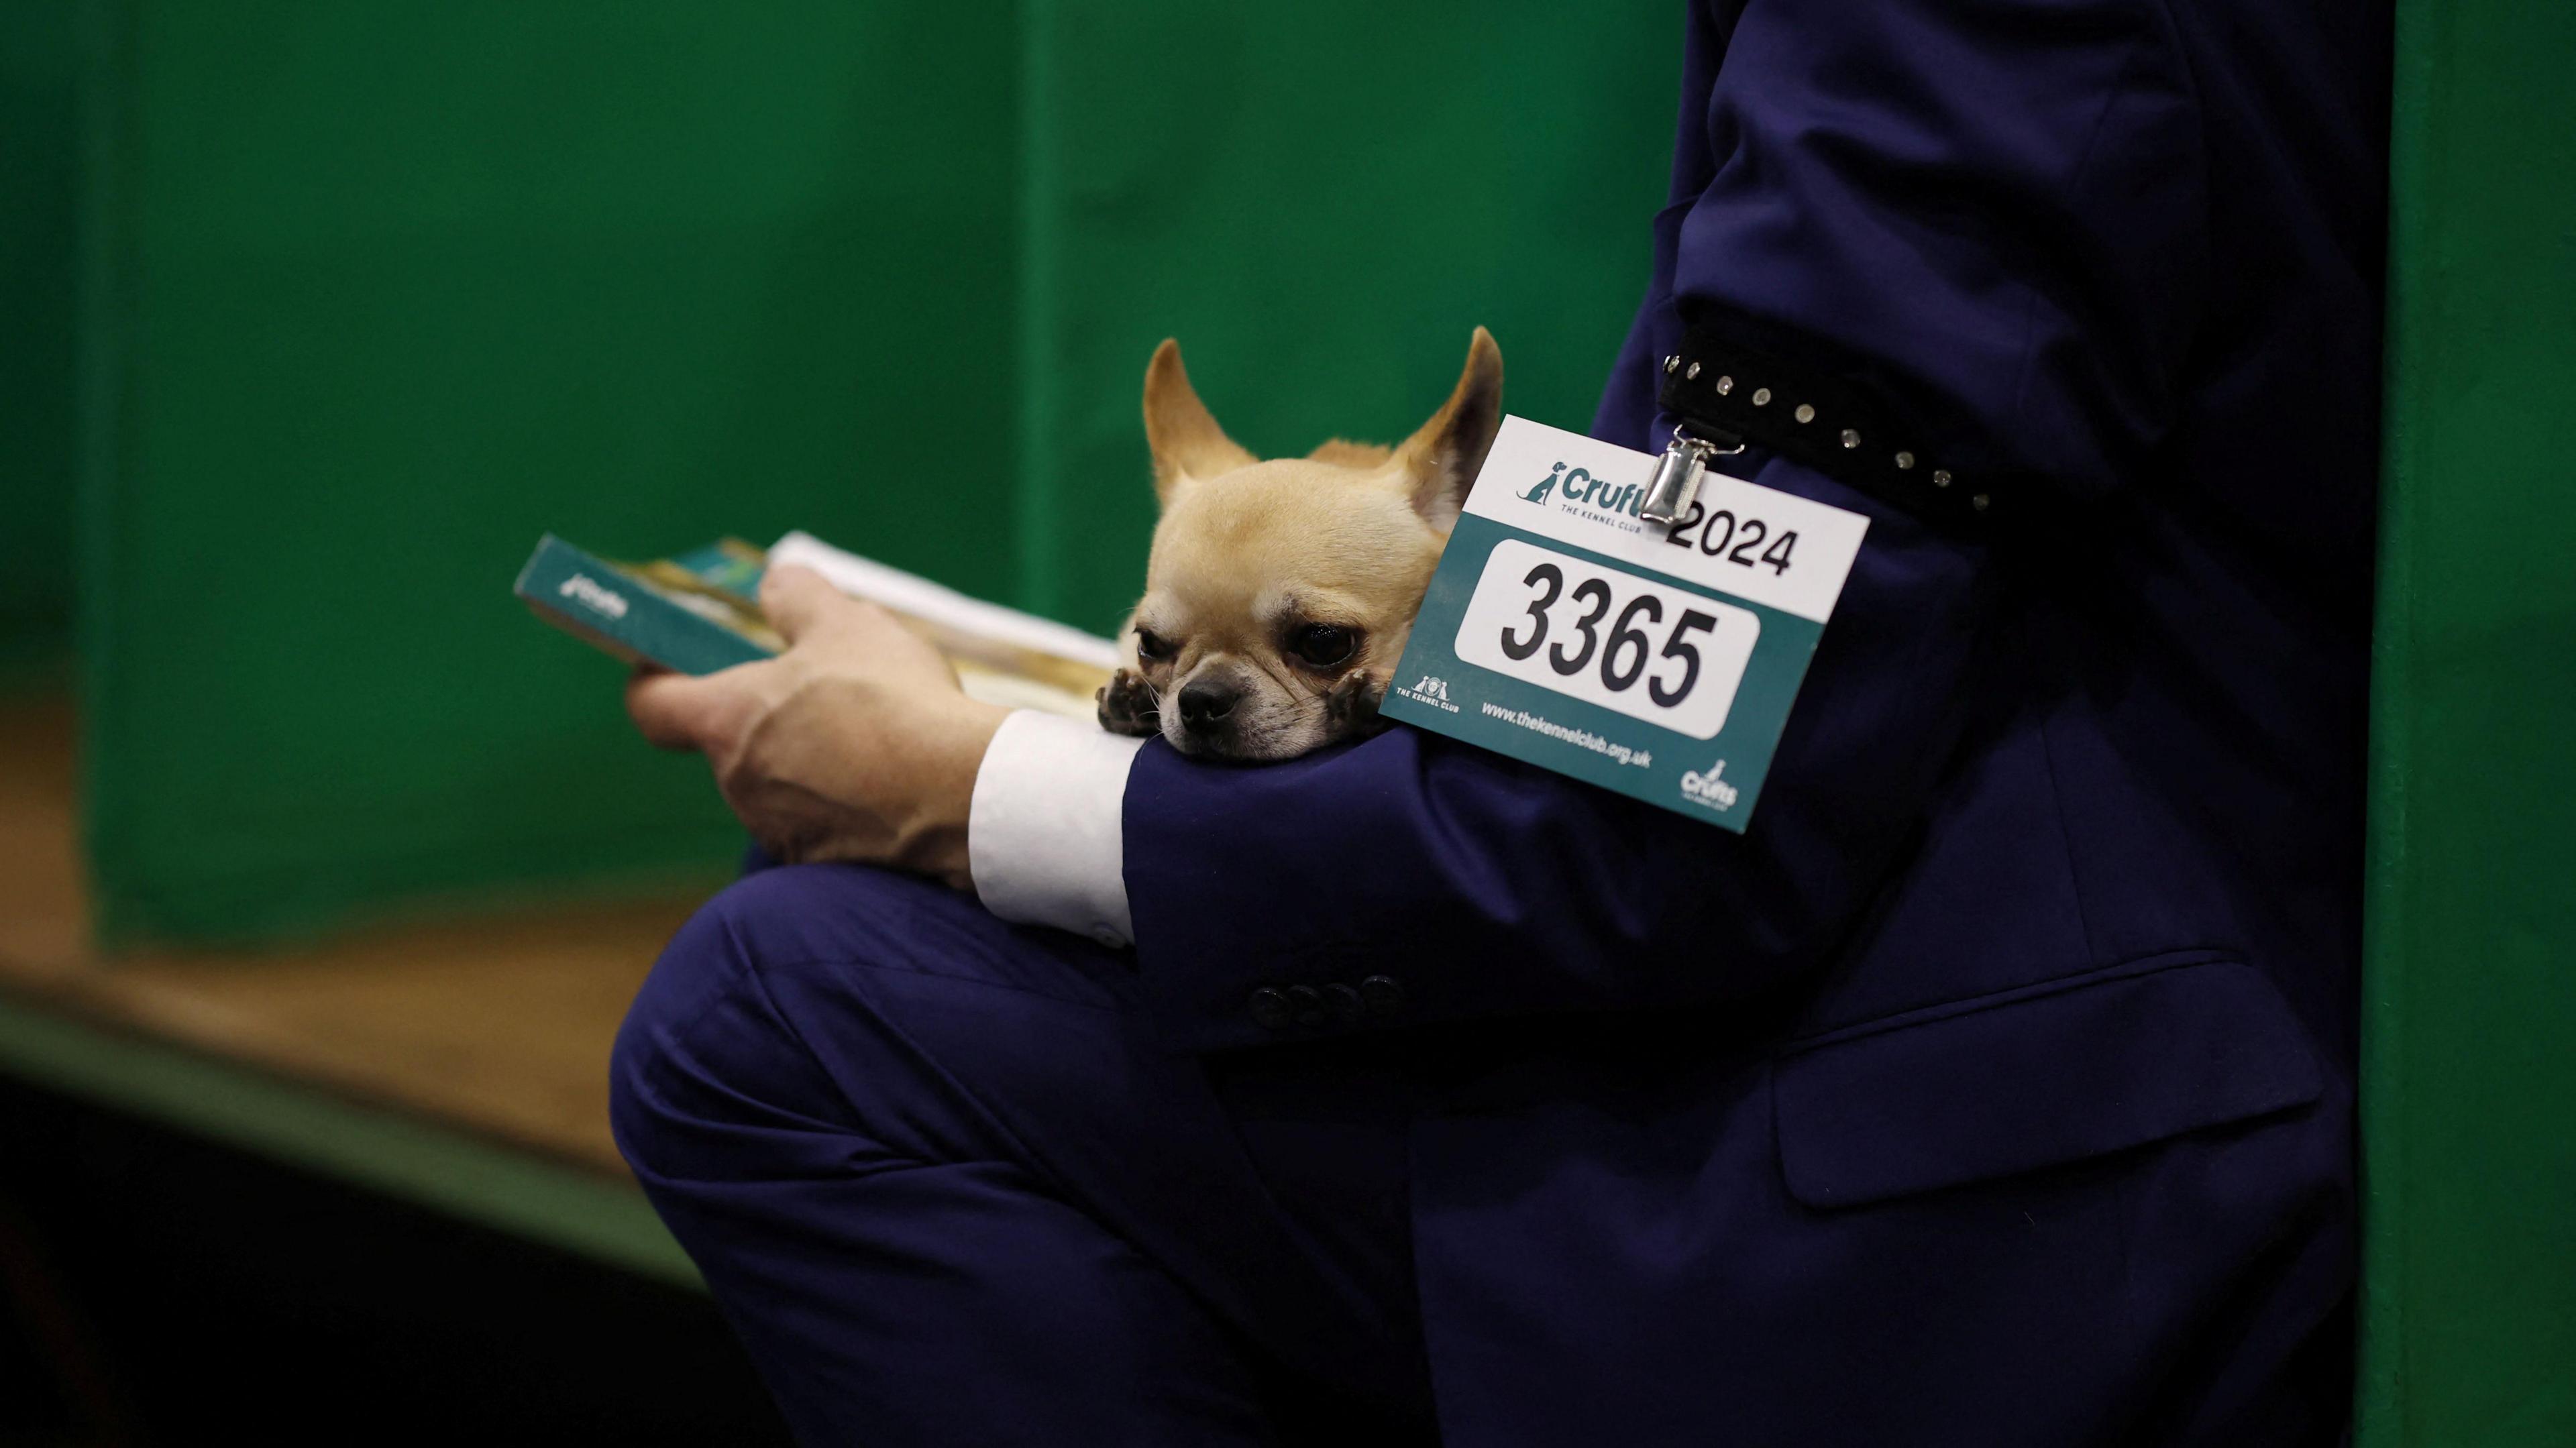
1850 438
1806 413
1940 477
1673 361
1978 502
1725 385
1904 462
1762 397
1690 371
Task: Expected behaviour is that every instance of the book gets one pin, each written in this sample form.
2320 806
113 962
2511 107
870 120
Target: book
699 611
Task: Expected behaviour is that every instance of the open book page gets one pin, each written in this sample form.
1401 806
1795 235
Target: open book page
913 594
1003 656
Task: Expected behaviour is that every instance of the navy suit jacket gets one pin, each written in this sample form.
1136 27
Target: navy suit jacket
1997 1080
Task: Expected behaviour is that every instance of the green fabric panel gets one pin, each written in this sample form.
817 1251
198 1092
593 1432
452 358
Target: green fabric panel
2469 1085
1321 201
385 291
39 154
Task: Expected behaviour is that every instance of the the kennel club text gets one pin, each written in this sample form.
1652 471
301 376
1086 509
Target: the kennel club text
1648 650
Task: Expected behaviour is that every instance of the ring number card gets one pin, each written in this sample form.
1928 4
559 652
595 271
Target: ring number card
1564 630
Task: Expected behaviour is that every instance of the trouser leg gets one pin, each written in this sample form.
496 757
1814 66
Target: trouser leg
949 1192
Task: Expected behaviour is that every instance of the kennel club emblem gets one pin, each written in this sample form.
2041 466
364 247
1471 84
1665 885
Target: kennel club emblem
1565 630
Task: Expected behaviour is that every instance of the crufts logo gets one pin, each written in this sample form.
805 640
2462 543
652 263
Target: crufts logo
1709 789
587 589
1579 486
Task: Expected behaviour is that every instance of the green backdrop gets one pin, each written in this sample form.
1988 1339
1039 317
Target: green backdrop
39 163
1321 201
2469 1074
377 293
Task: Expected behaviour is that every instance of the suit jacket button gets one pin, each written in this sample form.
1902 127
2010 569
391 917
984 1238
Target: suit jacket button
1270 1009
1383 995
1308 1004
1344 1000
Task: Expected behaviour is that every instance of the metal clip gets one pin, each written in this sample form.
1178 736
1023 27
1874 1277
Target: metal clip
1677 475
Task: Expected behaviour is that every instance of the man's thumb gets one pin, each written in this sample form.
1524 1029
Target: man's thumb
798 600
675 711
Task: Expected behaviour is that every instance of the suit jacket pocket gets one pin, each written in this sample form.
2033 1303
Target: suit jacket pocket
2031 1080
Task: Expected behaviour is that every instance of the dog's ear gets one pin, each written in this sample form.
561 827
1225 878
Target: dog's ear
1188 445
1441 460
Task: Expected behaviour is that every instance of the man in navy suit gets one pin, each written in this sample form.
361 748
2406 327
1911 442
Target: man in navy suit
1994 1087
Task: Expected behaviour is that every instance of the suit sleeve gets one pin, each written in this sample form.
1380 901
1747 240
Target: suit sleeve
1993 209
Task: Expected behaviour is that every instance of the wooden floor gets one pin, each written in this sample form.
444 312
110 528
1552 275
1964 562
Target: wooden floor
499 1027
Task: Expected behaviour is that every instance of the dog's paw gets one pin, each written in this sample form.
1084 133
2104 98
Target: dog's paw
1350 710
1127 705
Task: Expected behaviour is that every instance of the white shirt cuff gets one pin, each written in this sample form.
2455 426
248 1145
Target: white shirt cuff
1045 834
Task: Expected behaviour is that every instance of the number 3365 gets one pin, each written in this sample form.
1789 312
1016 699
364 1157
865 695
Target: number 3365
1638 644
1622 650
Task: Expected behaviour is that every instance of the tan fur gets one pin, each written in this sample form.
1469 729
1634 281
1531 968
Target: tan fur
1250 552
1342 452
1178 427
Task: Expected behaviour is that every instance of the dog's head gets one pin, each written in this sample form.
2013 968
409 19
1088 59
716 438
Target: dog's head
1280 593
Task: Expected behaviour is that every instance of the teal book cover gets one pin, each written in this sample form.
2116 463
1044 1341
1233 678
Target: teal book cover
695 614
699 611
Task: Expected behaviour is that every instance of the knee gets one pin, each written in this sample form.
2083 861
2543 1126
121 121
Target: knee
656 1049
703 1053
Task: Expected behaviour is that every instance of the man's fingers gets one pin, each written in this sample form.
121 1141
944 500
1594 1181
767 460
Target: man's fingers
676 711
798 601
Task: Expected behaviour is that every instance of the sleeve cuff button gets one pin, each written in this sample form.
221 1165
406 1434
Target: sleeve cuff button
1383 995
1269 1008
1307 1005
1345 1001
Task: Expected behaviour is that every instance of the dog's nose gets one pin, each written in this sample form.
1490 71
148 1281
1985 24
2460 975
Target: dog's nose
1205 706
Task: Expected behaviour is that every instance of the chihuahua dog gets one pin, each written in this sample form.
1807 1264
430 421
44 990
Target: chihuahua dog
1279 594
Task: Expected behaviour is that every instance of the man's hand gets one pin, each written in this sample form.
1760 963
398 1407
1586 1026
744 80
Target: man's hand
855 744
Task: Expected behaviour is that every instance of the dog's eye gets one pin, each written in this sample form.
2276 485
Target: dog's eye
1152 646
1323 645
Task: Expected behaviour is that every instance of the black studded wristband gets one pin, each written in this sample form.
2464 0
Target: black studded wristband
1727 392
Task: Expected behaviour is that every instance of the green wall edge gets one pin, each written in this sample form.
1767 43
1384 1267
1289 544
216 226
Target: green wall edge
589 1214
